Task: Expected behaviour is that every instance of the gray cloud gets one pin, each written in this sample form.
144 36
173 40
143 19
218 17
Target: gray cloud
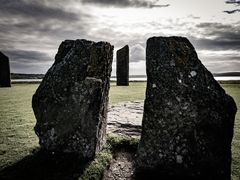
237 2
30 19
27 56
29 29
126 3
23 61
27 68
137 53
35 9
215 44
193 17
232 11
218 36
213 26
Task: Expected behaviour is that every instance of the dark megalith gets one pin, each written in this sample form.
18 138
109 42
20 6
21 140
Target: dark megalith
123 66
70 104
188 118
5 78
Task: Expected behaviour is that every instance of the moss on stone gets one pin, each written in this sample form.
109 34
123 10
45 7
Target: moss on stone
121 141
96 168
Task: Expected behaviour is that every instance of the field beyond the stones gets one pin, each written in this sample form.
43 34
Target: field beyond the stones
18 140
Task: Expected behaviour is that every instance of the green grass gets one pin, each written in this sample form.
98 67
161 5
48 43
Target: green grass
135 91
18 140
96 168
121 141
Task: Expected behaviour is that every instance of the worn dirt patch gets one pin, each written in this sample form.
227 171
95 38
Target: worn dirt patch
124 119
121 167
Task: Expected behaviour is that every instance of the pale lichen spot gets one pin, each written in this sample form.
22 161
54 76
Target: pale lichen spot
193 73
172 63
52 133
154 86
160 155
179 159
178 99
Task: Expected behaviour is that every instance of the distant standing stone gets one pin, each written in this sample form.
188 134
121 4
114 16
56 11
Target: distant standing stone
188 119
5 78
70 104
123 66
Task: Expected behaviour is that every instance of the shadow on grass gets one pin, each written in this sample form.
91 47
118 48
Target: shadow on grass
178 174
42 165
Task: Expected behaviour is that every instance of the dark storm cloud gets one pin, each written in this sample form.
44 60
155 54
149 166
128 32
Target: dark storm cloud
27 56
31 30
37 25
126 3
237 2
218 36
216 44
213 26
31 21
35 9
232 11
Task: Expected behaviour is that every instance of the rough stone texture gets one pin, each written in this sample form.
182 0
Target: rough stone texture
188 118
125 118
123 66
5 78
70 104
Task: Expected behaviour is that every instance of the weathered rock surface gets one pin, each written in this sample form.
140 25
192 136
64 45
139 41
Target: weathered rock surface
5 78
125 118
188 118
123 66
70 104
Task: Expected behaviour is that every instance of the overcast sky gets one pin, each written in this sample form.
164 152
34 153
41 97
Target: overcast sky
32 30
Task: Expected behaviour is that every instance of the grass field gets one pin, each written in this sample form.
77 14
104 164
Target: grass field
17 138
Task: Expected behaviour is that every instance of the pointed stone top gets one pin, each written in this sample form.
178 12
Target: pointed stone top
3 55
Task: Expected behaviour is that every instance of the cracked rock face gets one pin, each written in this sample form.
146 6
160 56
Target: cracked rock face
70 104
188 118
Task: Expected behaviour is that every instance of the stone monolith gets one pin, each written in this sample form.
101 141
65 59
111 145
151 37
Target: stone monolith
70 104
188 119
123 66
5 77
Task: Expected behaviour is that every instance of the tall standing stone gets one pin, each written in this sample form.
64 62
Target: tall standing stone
188 118
5 78
123 66
70 104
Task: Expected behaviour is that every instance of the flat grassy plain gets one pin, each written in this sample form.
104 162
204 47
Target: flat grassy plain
18 140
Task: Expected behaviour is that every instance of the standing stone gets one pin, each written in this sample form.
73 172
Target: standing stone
70 104
123 66
5 78
188 118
